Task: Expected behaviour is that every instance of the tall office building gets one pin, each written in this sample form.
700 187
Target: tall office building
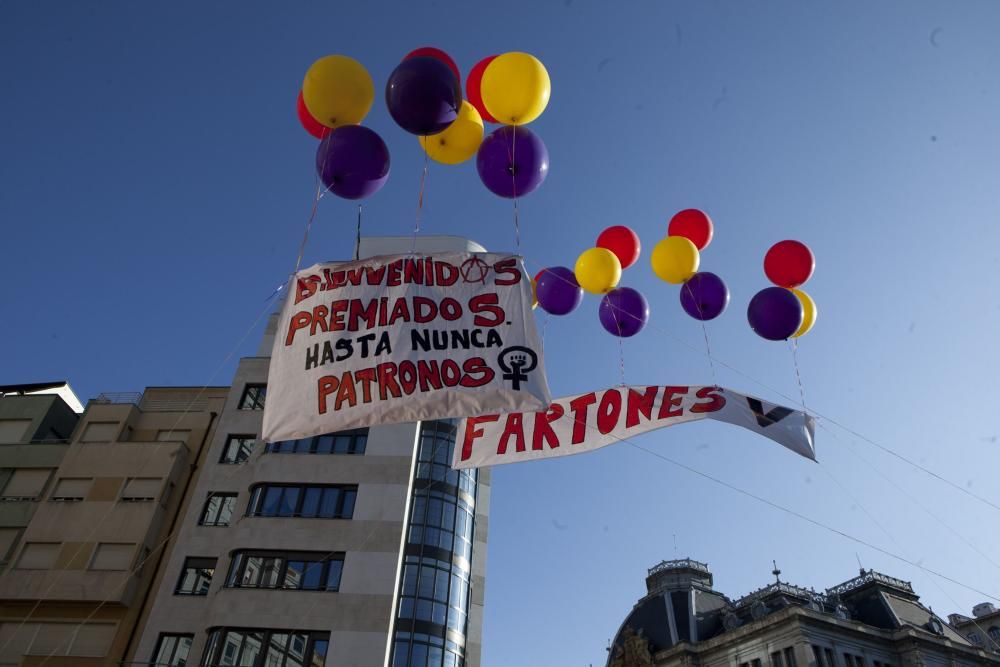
352 548
97 498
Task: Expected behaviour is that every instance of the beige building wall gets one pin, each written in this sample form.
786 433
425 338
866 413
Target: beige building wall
80 574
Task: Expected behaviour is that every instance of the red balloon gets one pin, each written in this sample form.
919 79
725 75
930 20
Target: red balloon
311 125
789 263
472 88
431 52
692 224
623 242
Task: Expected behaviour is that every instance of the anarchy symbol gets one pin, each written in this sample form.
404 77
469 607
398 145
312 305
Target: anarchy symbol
475 270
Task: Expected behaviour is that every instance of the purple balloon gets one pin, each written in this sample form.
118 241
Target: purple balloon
353 162
557 291
624 312
704 296
423 95
512 161
775 313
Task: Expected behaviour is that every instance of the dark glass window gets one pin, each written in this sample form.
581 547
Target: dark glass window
342 442
171 650
295 570
218 509
253 397
196 576
255 647
303 500
238 448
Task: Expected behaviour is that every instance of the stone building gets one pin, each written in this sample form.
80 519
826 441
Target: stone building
872 620
102 506
982 628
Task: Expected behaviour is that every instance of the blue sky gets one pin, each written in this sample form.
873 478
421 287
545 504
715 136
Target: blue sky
155 185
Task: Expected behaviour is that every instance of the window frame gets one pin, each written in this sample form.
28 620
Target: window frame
198 564
277 564
154 660
224 496
254 396
217 635
345 501
357 441
231 439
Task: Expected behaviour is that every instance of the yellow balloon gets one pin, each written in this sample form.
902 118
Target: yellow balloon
808 313
598 270
459 141
675 259
338 91
515 88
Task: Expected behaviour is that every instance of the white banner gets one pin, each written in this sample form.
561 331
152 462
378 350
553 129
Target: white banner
590 421
401 338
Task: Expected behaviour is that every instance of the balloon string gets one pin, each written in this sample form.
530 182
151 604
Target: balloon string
357 239
708 352
621 344
513 184
798 373
420 205
309 222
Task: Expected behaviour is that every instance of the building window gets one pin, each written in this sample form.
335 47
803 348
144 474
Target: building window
790 657
435 591
112 556
26 484
293 570
38 555
308 501
171 651
776 659
253 397
994 633
8 537
258 647
974 638
141 489
71 489
342 442
172 435
196 576
421 649
442 520
238 448
831 661
218 509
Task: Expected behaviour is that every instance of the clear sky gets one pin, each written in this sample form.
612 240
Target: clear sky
154 186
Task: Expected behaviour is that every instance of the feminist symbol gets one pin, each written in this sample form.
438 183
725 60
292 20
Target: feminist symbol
474 270
517 361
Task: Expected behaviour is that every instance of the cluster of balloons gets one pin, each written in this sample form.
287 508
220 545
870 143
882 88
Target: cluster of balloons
783 311
424 96
337 93
676 259
623 311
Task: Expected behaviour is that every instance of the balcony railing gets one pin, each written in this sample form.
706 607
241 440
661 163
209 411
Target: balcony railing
867 578
679 564
124 397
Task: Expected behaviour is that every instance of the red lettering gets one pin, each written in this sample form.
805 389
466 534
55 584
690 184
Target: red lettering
487 303
579 407
354 275
543 432
387 381
374 276
451 374
399 311
358 311
507 266
472 432
346 392
394 269
337 310
299 320
514 428
365 376
413 271
320 313
428 374
717 400
326 385
671 399
450 309
306 287
445 274
609 410
407 376
477 366
639 404
424 309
